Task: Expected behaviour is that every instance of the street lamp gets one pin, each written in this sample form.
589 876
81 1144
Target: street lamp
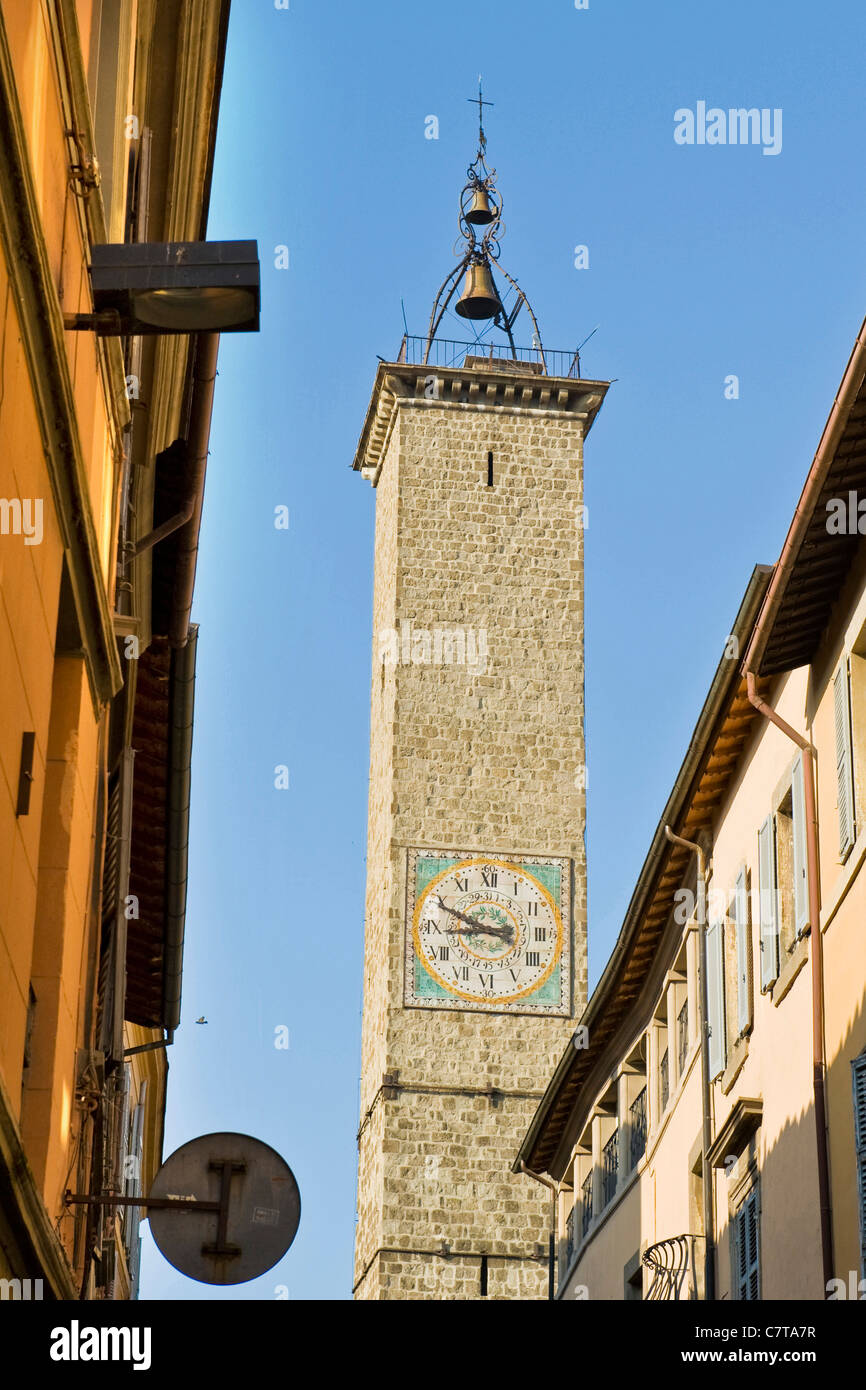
148 287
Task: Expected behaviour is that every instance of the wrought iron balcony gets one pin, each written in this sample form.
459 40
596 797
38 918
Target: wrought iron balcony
664 1081
586 1204
569 1241
609 1168
638 1126
673 1266
682 1038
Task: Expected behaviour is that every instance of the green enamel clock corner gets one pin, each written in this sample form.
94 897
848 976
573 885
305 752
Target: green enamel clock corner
426 987
428 866
550 876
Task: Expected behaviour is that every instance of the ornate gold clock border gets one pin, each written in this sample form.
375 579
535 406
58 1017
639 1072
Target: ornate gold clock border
519 972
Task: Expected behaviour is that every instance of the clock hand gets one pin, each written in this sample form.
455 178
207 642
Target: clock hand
507 933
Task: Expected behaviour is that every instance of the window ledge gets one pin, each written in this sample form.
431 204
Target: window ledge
736 1063
790 970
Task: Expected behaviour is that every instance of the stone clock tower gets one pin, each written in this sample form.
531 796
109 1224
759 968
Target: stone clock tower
475 948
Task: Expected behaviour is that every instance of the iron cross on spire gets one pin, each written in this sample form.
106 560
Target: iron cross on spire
482 138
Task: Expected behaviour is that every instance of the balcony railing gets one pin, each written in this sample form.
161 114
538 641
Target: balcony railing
664 1080
447 352
609 1168
569 1240
586 1204
682 1038
672 1263
637 1141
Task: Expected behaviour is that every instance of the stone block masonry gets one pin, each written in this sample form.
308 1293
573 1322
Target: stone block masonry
489 761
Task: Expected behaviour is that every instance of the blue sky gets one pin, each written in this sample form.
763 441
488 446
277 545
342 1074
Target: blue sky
704 261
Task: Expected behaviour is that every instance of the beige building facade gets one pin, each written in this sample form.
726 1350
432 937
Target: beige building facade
716 1146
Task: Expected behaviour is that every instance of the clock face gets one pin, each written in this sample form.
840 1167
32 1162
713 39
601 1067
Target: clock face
486 932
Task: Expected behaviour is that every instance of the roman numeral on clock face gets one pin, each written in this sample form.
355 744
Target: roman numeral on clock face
533 958
488 878
532 909
541 933
462 884
442 953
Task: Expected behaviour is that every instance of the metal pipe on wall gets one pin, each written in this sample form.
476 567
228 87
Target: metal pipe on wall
551 1253
706 1121
817 964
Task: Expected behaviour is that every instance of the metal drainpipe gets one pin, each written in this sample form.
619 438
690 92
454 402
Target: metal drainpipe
551 1249
706 1123
817 961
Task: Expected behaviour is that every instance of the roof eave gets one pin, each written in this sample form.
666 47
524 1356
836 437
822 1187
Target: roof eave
722 691
846 396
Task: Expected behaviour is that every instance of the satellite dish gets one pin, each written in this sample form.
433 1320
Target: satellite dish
244 1208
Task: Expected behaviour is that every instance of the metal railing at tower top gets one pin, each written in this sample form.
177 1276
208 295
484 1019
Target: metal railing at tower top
446 352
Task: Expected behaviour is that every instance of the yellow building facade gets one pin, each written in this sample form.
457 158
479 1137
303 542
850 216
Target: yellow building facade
107 127
706 1128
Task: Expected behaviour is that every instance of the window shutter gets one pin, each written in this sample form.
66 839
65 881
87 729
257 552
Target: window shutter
844 780
745 1240
744 963
801 880
858 1074
742 1251
768 904
716 998
752 1285
115 886
133 1188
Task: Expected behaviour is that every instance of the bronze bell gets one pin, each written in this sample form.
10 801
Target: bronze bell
479 299
480 213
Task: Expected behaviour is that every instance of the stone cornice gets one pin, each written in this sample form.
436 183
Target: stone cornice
489 389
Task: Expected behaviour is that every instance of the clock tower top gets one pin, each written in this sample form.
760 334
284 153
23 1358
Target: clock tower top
436 369
481 227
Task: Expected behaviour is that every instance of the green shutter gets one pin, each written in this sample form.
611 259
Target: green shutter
858 1076
801 880
769 920
744 971
746 1249
716 998
844 778
753 1283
